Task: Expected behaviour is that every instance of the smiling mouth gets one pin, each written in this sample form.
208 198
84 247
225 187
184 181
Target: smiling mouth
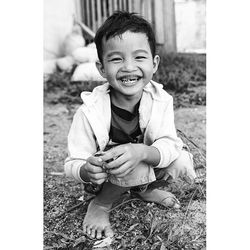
129 79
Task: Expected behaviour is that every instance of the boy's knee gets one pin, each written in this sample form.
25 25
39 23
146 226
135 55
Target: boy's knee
183 166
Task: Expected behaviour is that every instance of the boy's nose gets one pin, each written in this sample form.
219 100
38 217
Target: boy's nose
129 65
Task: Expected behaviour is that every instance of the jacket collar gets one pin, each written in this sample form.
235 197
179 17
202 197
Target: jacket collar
90 98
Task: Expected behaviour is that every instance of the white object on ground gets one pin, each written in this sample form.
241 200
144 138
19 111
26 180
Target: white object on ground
87 72
73 41
65 63
85 54
49 66
103 243
81 198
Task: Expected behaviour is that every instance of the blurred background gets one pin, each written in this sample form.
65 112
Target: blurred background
179 24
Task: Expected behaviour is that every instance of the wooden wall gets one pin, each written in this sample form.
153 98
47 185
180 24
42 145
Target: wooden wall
160 13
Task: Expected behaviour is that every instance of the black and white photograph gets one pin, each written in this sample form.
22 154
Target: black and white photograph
124 124
124 134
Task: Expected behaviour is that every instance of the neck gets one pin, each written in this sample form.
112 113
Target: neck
125 102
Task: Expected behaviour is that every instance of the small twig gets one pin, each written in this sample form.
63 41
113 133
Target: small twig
123 203
202 190
48 247
188 208
197 147
59 234
74 207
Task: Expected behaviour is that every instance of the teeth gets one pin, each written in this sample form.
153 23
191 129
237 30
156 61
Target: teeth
129 80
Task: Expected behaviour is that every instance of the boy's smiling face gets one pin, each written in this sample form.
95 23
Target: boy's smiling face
128 64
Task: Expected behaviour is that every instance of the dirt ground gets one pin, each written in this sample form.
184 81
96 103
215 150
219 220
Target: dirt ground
137 224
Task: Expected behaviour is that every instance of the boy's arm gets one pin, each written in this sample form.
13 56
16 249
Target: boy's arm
81 145
167 142
151 155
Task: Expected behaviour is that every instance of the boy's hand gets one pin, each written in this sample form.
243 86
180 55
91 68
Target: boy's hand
94 171
123 158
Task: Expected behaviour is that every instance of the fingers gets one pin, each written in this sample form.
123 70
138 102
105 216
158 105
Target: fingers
113 153
98 178
95 171
116 163
121 171
92 169
97 161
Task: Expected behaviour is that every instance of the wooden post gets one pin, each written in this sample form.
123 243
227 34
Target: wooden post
148 10
104 7
115 5
130 9
110 8
158 22
169 26
125 5
99 13
88 13
137 6
93 16
78 9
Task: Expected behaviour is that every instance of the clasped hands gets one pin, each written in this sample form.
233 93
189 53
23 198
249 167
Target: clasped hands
118 161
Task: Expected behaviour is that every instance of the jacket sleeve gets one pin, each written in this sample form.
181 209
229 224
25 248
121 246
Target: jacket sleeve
167 142
81 145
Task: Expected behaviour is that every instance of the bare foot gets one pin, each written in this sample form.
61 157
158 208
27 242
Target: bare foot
96 222
161 197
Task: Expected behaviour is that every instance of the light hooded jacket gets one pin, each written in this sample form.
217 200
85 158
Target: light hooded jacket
90 128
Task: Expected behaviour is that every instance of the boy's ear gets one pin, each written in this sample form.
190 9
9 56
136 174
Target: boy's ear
156 62
100 68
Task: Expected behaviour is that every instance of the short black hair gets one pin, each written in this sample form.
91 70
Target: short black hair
119 23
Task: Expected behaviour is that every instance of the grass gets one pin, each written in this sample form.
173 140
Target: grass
137 224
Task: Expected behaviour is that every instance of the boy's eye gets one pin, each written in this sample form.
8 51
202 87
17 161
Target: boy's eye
140 57
115 59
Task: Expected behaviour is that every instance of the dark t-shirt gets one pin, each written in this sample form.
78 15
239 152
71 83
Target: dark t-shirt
125 125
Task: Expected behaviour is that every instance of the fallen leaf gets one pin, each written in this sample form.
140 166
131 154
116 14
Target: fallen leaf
103 243
79 240
132 227
57 173
81 198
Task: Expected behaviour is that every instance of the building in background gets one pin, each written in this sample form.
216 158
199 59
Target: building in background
179 25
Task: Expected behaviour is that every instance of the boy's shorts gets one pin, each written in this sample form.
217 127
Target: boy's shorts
145 174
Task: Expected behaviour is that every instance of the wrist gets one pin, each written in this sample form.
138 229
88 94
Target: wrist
151 155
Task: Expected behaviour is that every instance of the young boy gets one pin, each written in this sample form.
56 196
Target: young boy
123 136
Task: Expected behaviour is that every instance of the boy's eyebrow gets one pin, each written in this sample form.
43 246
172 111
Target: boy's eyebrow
140 51
113 53
134 52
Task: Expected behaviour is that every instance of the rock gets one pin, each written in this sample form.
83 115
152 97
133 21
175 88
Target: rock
73 41
85 54
87 72
65 63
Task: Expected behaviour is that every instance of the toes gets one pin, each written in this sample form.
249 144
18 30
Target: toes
93 231
99 233
84 228
108 232
177 204
89 230
171 201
